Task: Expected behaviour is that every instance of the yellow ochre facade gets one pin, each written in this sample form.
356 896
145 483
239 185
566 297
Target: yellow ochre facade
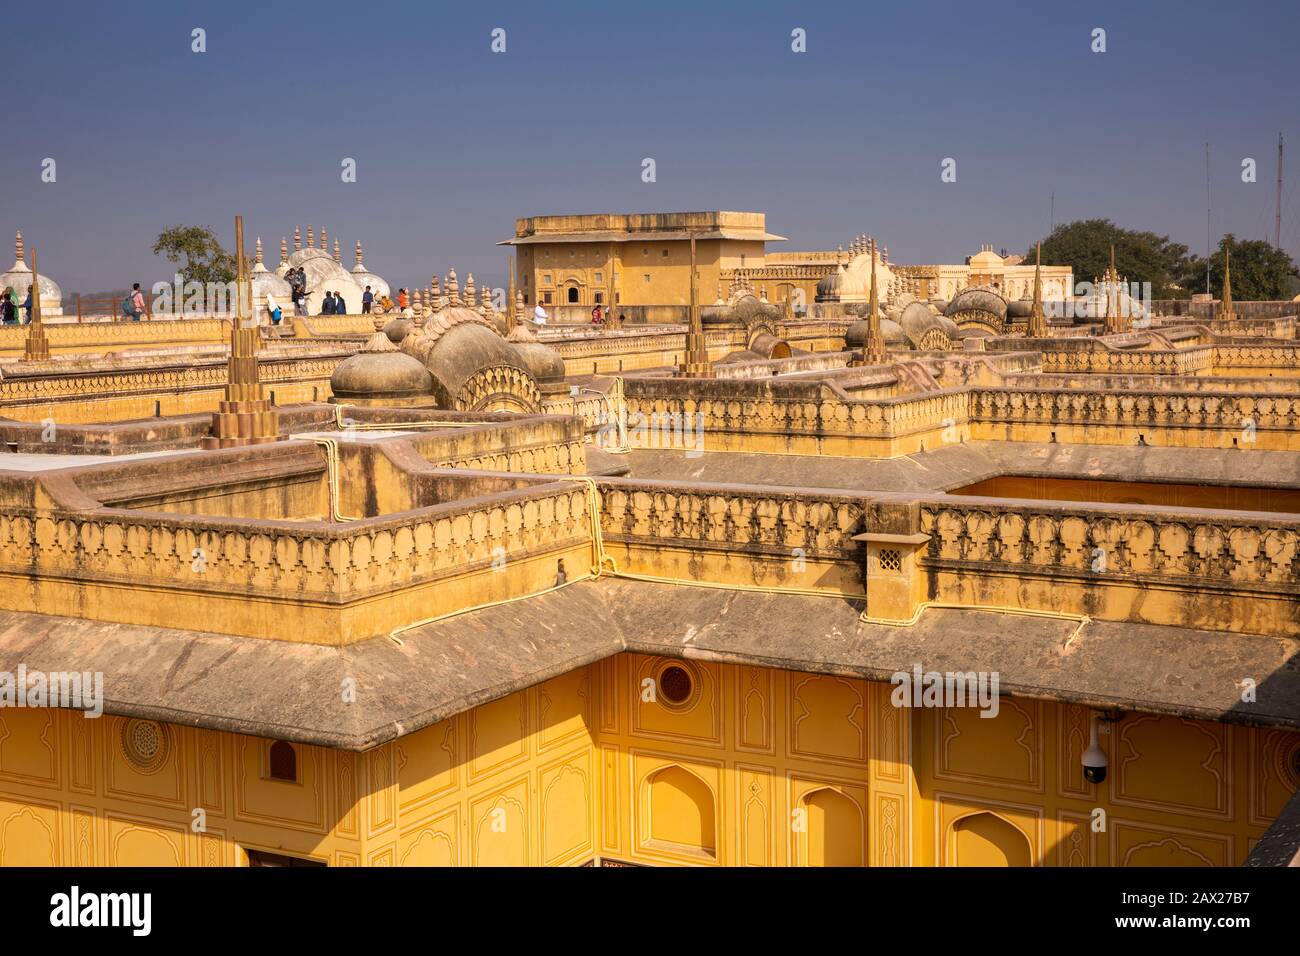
758 767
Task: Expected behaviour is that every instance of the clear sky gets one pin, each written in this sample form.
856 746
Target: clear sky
452 141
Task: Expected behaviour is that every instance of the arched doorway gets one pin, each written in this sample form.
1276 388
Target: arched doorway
571 295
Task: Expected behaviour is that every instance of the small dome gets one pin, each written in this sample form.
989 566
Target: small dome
398 329
546 364
378 285
855 336
839 285
380 375
917 319
977 299
457 344
380 370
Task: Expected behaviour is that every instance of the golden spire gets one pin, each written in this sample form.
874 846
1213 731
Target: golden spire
1225 312
245 417
1037 326
874 350
696 364
510 298
37 347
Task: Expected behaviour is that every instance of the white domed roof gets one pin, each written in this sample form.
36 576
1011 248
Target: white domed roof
19 278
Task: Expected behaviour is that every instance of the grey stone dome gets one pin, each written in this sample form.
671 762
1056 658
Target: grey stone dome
380 375
978 299
855 336
917 319
398 329
380 370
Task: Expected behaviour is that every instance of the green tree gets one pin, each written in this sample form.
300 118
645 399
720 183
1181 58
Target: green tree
1259 271
205 259
1084 246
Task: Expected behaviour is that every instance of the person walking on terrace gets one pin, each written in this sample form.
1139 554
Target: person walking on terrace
136 298
366 301
27 306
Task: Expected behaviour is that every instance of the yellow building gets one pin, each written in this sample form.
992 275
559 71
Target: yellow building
632 260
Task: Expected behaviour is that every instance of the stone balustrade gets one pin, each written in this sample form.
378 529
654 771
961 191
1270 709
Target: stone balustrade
308 581
108 336
1155 416
1205 569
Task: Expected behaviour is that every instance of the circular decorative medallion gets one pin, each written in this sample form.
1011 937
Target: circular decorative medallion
145 744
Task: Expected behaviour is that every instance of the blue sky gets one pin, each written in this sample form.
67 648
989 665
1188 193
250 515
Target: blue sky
453 142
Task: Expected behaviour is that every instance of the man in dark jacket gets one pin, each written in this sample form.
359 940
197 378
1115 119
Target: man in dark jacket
366 300
327 306
340 307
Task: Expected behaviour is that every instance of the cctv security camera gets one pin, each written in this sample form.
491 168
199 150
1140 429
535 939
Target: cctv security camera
1094 758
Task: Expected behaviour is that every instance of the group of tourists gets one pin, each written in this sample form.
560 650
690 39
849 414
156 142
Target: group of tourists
9 306
297 280
333 304
381 303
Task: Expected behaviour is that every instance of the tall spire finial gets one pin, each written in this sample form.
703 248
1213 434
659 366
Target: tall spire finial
284 251
1226 311
311 237
873 350
453 288
360 256
324 242
338 255
36 347
1037 326
18 247
257 254
696 360
297 239
245 417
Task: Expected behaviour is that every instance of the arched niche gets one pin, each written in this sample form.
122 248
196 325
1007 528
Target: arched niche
833 829
986 839
680 812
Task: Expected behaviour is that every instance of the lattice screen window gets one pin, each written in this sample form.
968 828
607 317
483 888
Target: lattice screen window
889 559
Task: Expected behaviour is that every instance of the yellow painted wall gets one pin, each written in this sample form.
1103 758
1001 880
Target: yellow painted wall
757 767
666 262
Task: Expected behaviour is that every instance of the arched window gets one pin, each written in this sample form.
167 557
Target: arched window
573 294
284 762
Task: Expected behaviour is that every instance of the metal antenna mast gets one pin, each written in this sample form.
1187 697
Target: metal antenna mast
1207 219
1277 216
